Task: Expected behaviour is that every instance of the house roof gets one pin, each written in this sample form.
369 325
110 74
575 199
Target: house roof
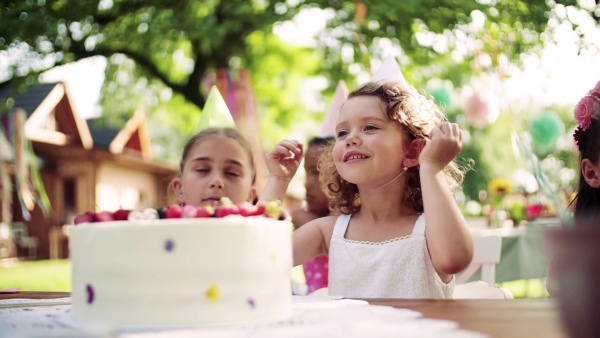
133 138
30 99
102 135
51 117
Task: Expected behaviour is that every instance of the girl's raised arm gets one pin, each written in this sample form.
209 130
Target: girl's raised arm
448 237
283 162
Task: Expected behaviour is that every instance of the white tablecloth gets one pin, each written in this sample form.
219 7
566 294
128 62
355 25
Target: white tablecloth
313 316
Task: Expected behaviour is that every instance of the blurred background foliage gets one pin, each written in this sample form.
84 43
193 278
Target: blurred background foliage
160 52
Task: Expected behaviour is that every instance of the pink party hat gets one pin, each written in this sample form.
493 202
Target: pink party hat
340 96
215 113
390 71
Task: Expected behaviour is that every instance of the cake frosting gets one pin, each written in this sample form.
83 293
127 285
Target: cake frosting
181 272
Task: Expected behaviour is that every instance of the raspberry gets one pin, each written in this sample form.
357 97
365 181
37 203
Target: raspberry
174 211
207 211
104 216
226 210
121 215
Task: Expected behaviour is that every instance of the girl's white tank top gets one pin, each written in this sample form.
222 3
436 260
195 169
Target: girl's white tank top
396 268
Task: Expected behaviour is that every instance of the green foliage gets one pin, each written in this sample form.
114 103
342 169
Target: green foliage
179 42
172 119
278 71
161 51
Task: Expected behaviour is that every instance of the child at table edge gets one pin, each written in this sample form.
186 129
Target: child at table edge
586 204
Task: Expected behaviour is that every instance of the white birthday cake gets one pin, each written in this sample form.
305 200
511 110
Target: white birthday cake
181 272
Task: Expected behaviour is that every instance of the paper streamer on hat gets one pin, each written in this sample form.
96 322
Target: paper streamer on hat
390 71
340 96
215 113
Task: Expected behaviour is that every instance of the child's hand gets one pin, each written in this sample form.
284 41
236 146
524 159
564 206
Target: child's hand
284 160
444 145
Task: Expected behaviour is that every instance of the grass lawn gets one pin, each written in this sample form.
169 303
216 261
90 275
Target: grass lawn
48 275
55 275
526 288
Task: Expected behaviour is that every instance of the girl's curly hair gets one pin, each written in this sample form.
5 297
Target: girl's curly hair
418 115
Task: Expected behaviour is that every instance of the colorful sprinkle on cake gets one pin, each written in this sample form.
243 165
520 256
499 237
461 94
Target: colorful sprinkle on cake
89 290
212 293
169 245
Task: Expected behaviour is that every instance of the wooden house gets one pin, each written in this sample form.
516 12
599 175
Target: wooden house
85 167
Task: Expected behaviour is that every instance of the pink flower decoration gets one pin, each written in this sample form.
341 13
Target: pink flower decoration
534 210
588 107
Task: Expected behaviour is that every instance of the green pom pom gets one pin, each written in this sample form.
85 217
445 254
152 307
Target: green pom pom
546 128
442 96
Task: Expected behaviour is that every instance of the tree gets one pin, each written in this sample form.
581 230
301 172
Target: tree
167 48
178 42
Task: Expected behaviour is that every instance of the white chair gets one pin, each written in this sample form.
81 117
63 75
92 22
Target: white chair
480 290
486 254
22 239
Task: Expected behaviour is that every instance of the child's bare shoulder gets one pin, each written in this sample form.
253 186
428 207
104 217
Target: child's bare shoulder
302 216
323 223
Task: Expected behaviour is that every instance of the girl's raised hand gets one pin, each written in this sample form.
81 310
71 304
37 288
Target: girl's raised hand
283 161
445 143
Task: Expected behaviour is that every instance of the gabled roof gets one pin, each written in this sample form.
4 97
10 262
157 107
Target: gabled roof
101 134
30 99
52 118
133 138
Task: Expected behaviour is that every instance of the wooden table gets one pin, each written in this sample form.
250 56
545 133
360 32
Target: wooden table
498 318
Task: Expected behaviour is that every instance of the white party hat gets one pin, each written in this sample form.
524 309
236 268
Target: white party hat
340 96
390 71
215 113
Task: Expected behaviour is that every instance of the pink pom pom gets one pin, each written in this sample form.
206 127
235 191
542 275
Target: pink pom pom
482 108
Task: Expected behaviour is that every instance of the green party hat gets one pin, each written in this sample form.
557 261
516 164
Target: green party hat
215 113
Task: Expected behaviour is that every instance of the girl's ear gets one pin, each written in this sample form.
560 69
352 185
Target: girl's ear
591 173
178 189
412 152
252 195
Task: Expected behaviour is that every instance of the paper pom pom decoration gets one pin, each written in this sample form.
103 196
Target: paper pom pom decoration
340 96
441 95
546 129
482 108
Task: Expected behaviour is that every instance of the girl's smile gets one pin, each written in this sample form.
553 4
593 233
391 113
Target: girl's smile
354 156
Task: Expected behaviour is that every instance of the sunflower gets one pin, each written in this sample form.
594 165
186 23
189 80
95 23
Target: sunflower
499 186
